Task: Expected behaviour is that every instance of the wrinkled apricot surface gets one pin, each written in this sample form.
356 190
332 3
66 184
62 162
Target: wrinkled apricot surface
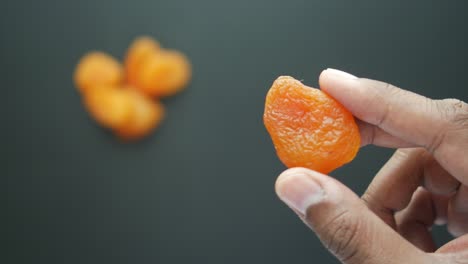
163 73
138 52
146 115
97 69
308 127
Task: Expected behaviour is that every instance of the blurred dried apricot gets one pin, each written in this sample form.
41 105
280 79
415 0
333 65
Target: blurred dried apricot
97 69
308 127
146 116
139 50
111 107
163 73
150 71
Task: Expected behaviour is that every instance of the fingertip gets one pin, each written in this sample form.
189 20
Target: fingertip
286 175
300 188
330 76
342 86
337 74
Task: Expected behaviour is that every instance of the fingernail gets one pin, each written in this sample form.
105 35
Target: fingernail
298 190
341 74
440 221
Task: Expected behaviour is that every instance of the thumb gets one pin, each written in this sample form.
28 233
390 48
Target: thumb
345 226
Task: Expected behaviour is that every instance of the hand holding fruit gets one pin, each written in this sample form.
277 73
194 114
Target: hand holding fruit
424 183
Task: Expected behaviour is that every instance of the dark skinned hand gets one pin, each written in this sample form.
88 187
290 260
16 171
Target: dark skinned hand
424 183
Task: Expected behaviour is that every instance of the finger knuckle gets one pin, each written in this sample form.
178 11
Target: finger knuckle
342 241
368 197
455 112
437 180
371 198
454 116
392 89
376 205
392 92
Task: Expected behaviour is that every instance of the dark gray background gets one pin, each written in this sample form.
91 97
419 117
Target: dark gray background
200 189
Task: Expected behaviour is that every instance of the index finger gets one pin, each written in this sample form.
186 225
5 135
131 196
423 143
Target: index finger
440 126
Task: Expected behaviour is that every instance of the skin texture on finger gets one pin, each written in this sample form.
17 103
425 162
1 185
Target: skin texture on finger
441 126
414 221
371 134
457 213
342 221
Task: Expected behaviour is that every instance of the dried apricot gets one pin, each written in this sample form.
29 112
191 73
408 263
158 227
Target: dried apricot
163 73
97 69
146 116
308 127
111 107
139 50
149 71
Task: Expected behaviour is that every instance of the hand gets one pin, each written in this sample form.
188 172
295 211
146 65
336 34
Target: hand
425 182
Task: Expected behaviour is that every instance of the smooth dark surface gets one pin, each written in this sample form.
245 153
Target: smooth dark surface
200 189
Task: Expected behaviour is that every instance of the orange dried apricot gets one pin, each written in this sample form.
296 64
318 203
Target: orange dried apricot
163 73
96 69
146 116
150 71
308 127
139 50
110 107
